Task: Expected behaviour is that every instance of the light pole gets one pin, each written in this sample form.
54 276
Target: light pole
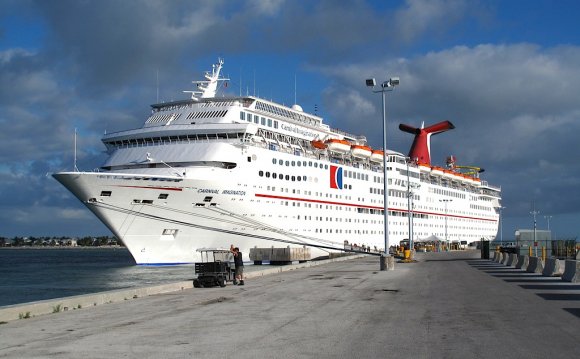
534 212
548 219
410 194
445 201
385 86
501 225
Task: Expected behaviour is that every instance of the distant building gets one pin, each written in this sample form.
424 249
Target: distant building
527 235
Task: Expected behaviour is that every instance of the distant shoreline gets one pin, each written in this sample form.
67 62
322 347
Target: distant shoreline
64 247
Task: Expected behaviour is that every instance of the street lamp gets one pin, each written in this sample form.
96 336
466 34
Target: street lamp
534 212
548 219
445 201
410 193
501 225
384 87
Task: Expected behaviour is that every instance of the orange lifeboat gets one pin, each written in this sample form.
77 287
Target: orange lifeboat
359 151
436 170
336 145
377 156
318 144
424 167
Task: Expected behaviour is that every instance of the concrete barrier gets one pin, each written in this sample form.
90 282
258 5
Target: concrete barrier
498 259
571 271
535 265
32 309
496 256
512 260
522 262
552 268
504 258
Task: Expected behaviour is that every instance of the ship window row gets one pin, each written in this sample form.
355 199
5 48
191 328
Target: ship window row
299 163
356 175
163 117
275 110
281 176
447 193
181 106
259 120
206 114
479 208
133 178
137 142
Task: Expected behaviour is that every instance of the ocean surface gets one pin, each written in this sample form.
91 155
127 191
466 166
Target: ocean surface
32 274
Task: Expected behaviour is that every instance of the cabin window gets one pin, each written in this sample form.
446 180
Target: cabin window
242 115
106 193
163 196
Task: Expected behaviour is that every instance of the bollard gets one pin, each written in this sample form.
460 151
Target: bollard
530 251
544 254
387 263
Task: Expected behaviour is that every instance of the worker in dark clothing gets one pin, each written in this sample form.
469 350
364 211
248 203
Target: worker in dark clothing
239 265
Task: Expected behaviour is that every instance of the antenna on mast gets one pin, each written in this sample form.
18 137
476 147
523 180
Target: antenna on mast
295 89
75 168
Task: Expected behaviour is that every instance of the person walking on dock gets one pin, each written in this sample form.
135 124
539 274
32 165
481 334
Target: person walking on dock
239 265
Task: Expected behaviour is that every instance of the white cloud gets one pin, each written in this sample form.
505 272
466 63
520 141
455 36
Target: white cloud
420 16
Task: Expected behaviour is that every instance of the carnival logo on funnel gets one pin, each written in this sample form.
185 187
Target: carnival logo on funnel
335 177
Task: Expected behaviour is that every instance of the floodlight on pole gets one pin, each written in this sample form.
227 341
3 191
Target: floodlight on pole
446 201
384 87
501 208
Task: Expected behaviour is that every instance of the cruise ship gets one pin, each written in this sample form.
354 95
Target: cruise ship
214 170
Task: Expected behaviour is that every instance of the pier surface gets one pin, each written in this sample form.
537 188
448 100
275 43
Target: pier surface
447 305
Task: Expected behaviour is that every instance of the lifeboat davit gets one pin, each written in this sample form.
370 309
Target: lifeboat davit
377 156
338 146
359 151
318 144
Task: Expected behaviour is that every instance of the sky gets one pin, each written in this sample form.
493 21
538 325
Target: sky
505 73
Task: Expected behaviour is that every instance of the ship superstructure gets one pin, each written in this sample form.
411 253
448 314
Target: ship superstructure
213 171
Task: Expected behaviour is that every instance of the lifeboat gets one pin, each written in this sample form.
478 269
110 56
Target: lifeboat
448 174
424 167
318 144
338 146
437 171
377 156
359 151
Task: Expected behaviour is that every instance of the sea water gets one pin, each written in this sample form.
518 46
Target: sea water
32 274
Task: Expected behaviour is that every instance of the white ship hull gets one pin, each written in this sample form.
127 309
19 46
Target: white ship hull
242 171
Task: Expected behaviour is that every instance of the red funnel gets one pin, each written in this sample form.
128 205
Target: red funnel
421 148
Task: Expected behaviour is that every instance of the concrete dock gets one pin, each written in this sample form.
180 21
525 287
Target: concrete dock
447 305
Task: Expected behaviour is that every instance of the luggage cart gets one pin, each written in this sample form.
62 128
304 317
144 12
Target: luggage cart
214 269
